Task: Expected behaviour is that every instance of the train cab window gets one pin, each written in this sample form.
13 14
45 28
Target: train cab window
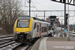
34 25
23 23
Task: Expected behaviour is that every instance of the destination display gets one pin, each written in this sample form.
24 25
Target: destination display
23 20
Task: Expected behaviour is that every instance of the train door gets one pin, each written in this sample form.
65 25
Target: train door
40 29
34 30
37 30
43 29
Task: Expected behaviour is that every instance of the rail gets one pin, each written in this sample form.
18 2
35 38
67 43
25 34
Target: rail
7 42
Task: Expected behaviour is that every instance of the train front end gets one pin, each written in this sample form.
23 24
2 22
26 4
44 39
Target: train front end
23 29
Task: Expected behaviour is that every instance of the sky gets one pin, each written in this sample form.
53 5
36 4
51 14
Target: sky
48 5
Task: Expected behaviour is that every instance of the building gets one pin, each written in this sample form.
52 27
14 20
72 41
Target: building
48 19
57 23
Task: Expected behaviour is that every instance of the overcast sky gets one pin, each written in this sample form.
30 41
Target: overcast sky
47 5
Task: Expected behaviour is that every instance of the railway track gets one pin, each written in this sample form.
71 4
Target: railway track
4 36
27 46
7 43
23 47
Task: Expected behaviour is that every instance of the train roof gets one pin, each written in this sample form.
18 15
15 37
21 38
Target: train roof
37 19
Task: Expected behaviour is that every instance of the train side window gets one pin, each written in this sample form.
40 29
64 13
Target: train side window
37 28
49 28
34 25
44 29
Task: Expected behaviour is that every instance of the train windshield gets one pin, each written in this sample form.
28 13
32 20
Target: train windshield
23 23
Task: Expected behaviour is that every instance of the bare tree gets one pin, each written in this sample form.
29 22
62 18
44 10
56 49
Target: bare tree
10 10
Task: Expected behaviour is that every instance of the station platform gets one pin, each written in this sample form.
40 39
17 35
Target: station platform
54 43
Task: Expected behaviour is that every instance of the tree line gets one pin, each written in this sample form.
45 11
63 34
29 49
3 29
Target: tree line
10 10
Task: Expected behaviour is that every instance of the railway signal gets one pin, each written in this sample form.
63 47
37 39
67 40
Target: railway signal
51 22
66 20
52 19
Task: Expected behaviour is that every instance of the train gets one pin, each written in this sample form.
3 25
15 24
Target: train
29 28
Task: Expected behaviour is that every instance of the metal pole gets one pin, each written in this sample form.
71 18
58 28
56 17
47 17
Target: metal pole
65 17
73 27
68 22
44 15
64 14
29 8
36 15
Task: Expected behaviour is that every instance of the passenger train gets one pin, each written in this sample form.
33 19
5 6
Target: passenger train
29 28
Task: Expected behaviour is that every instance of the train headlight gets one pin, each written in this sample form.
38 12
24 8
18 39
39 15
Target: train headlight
27 32
17 32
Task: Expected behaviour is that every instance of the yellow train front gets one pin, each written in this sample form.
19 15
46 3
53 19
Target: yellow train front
27 28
